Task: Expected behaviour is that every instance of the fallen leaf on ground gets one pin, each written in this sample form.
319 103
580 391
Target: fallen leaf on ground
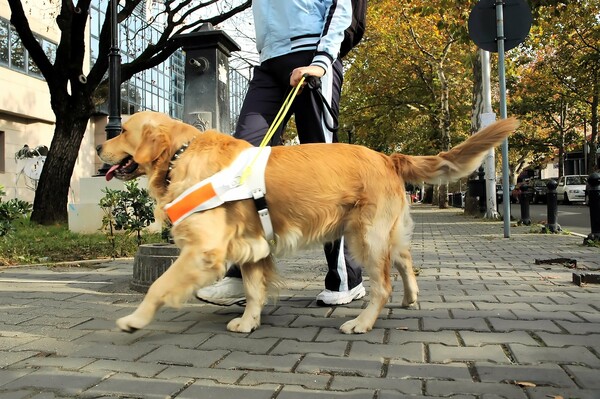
525 384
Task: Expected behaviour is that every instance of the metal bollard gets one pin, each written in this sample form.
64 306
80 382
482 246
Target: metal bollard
552 225
593 193
524 201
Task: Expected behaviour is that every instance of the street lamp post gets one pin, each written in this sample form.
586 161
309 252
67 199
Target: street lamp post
113 127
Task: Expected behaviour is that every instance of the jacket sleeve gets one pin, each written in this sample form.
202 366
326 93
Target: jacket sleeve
337 18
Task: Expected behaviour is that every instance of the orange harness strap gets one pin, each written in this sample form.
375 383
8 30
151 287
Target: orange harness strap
190 201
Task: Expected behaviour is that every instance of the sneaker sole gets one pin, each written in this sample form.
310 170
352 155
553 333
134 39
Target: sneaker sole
231 302
357 296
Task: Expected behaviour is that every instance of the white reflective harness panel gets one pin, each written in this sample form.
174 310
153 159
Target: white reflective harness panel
227 185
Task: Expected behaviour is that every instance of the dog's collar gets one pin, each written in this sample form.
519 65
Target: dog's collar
175 157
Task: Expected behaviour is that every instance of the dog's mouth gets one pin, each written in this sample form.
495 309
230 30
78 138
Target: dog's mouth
123 170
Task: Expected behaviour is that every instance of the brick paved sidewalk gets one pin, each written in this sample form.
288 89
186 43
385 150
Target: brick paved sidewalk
490 323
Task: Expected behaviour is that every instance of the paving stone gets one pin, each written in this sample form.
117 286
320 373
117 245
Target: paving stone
110 337
62 362
7 376
7 357
410 352
209 390
549 315
251 345
403 337
445 388
137 369
218 375
309 381
567 393
246 361
561 340
570 355
172 355
51 345
299 334
590 316
468 314
136 387
21 394
471 338
278 320
585 377
580 328
523 325
448 354
7 343
67 383
544 374
315 311
384 394
350 383
288 346
295 392
316 364
455 324
425 371
375 336
114 352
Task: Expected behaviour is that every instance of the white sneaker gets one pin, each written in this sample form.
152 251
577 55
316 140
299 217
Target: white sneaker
226 292
328 298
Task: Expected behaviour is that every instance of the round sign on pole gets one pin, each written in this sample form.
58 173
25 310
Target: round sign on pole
482 24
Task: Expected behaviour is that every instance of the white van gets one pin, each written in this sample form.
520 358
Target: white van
571 188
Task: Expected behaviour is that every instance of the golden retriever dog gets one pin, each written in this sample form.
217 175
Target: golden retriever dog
316 193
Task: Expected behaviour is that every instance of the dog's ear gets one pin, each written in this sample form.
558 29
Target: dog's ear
155 144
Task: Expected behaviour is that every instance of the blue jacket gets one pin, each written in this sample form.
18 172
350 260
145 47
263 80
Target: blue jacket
287 26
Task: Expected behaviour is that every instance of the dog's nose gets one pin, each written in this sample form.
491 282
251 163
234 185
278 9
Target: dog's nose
98 149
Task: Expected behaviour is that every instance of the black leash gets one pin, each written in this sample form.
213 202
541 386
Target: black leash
314 83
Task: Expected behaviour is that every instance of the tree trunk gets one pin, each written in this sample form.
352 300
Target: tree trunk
443 196
444 129
477 108
50 204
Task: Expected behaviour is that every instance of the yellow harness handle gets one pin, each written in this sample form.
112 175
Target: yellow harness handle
285 107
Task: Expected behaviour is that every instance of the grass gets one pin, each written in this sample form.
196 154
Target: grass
30 244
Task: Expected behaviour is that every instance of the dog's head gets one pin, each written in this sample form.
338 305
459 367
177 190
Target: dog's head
147 142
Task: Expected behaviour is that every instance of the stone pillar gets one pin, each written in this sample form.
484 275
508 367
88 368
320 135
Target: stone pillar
206 91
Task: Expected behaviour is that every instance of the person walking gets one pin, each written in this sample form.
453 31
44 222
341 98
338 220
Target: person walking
296 38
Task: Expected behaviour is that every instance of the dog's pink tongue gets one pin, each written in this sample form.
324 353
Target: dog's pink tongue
111 172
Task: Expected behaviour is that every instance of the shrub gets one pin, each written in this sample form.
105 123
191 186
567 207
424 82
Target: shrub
130 210
10 211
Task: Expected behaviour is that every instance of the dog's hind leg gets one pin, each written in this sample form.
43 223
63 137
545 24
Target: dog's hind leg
404 265
376 260
402 259
192 270
257 278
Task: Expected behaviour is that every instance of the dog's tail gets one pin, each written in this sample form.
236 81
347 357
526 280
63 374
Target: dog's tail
456 163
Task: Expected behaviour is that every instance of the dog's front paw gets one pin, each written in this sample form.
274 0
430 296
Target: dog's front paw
409 300
241 325
131 323
354 326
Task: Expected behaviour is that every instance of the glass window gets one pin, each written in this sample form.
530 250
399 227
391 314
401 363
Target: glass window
4 46
17 52
50 50
31 65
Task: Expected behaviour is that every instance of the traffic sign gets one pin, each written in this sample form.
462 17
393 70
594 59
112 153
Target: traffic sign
483 28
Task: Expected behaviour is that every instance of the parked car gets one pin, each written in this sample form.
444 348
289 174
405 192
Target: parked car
500 192
571 188
516 192
540 190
